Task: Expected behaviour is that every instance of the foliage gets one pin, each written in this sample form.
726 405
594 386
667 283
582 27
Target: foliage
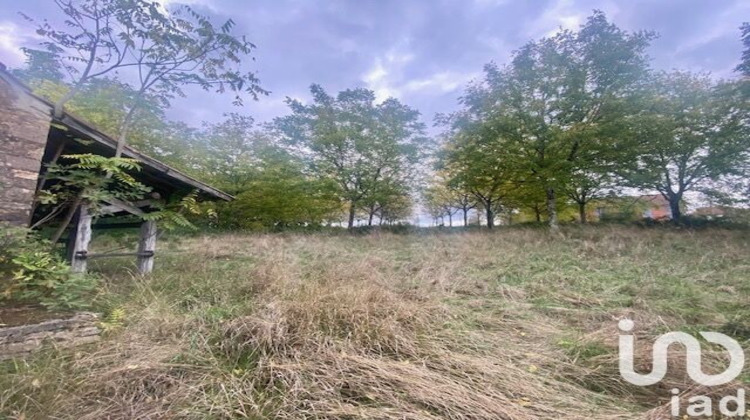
558 105
233 151
692 135
279 194
92 179
164 50
29 273
474 163
744 66
40 66
177 213
356 143
388 202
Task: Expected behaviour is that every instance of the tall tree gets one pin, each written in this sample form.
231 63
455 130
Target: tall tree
183 48
692 134
352 140
551 107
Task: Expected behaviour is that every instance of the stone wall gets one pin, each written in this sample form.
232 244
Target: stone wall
24 126
25 339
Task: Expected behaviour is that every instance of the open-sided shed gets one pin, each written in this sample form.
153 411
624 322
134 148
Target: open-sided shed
30 138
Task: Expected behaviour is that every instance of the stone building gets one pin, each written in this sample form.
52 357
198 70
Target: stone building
24 128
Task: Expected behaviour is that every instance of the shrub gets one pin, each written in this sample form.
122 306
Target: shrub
29 272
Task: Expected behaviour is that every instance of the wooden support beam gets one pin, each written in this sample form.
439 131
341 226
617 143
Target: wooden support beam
80 239
108 226
146 247
116 205
85 255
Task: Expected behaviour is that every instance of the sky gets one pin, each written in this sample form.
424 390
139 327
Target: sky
423 52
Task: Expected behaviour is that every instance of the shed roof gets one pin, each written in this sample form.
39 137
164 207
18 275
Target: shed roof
106 145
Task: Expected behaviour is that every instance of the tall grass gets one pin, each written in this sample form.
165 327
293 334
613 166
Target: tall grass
513 324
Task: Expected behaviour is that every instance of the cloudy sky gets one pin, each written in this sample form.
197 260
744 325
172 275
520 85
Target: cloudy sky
420 51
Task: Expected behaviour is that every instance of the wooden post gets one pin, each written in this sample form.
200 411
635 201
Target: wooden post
146 247
80 239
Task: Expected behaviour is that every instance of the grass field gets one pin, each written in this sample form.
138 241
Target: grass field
512 324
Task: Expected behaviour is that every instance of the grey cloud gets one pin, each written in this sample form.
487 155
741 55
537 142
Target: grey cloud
425 51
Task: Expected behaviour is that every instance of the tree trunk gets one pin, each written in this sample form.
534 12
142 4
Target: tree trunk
490 216
466 217
352 210
537 213
369 218
66 221
450 220
127 122
582 212
122 139
80 237
674 207
552 209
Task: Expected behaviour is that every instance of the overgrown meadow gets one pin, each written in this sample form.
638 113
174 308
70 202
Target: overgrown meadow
518 323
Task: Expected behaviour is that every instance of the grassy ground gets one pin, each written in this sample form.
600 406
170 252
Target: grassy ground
513 324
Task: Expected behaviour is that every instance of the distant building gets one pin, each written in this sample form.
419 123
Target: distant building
650 206
730 213
657 207
710 213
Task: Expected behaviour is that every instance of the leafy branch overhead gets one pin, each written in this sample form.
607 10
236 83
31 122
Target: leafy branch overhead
163 51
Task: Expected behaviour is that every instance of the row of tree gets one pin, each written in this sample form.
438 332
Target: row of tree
570 119
579 115
115 62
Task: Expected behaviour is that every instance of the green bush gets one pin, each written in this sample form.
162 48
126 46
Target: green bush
29 272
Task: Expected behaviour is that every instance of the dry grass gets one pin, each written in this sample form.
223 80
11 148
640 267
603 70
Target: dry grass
516 324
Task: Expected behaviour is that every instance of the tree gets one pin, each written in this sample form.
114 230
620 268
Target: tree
91 179
278 194
358 144
161 51
475 164
440 199
90 45
692 134
586 186
553 107
383 197
185 48
396 209
744 66
464 201
40 66
231 151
